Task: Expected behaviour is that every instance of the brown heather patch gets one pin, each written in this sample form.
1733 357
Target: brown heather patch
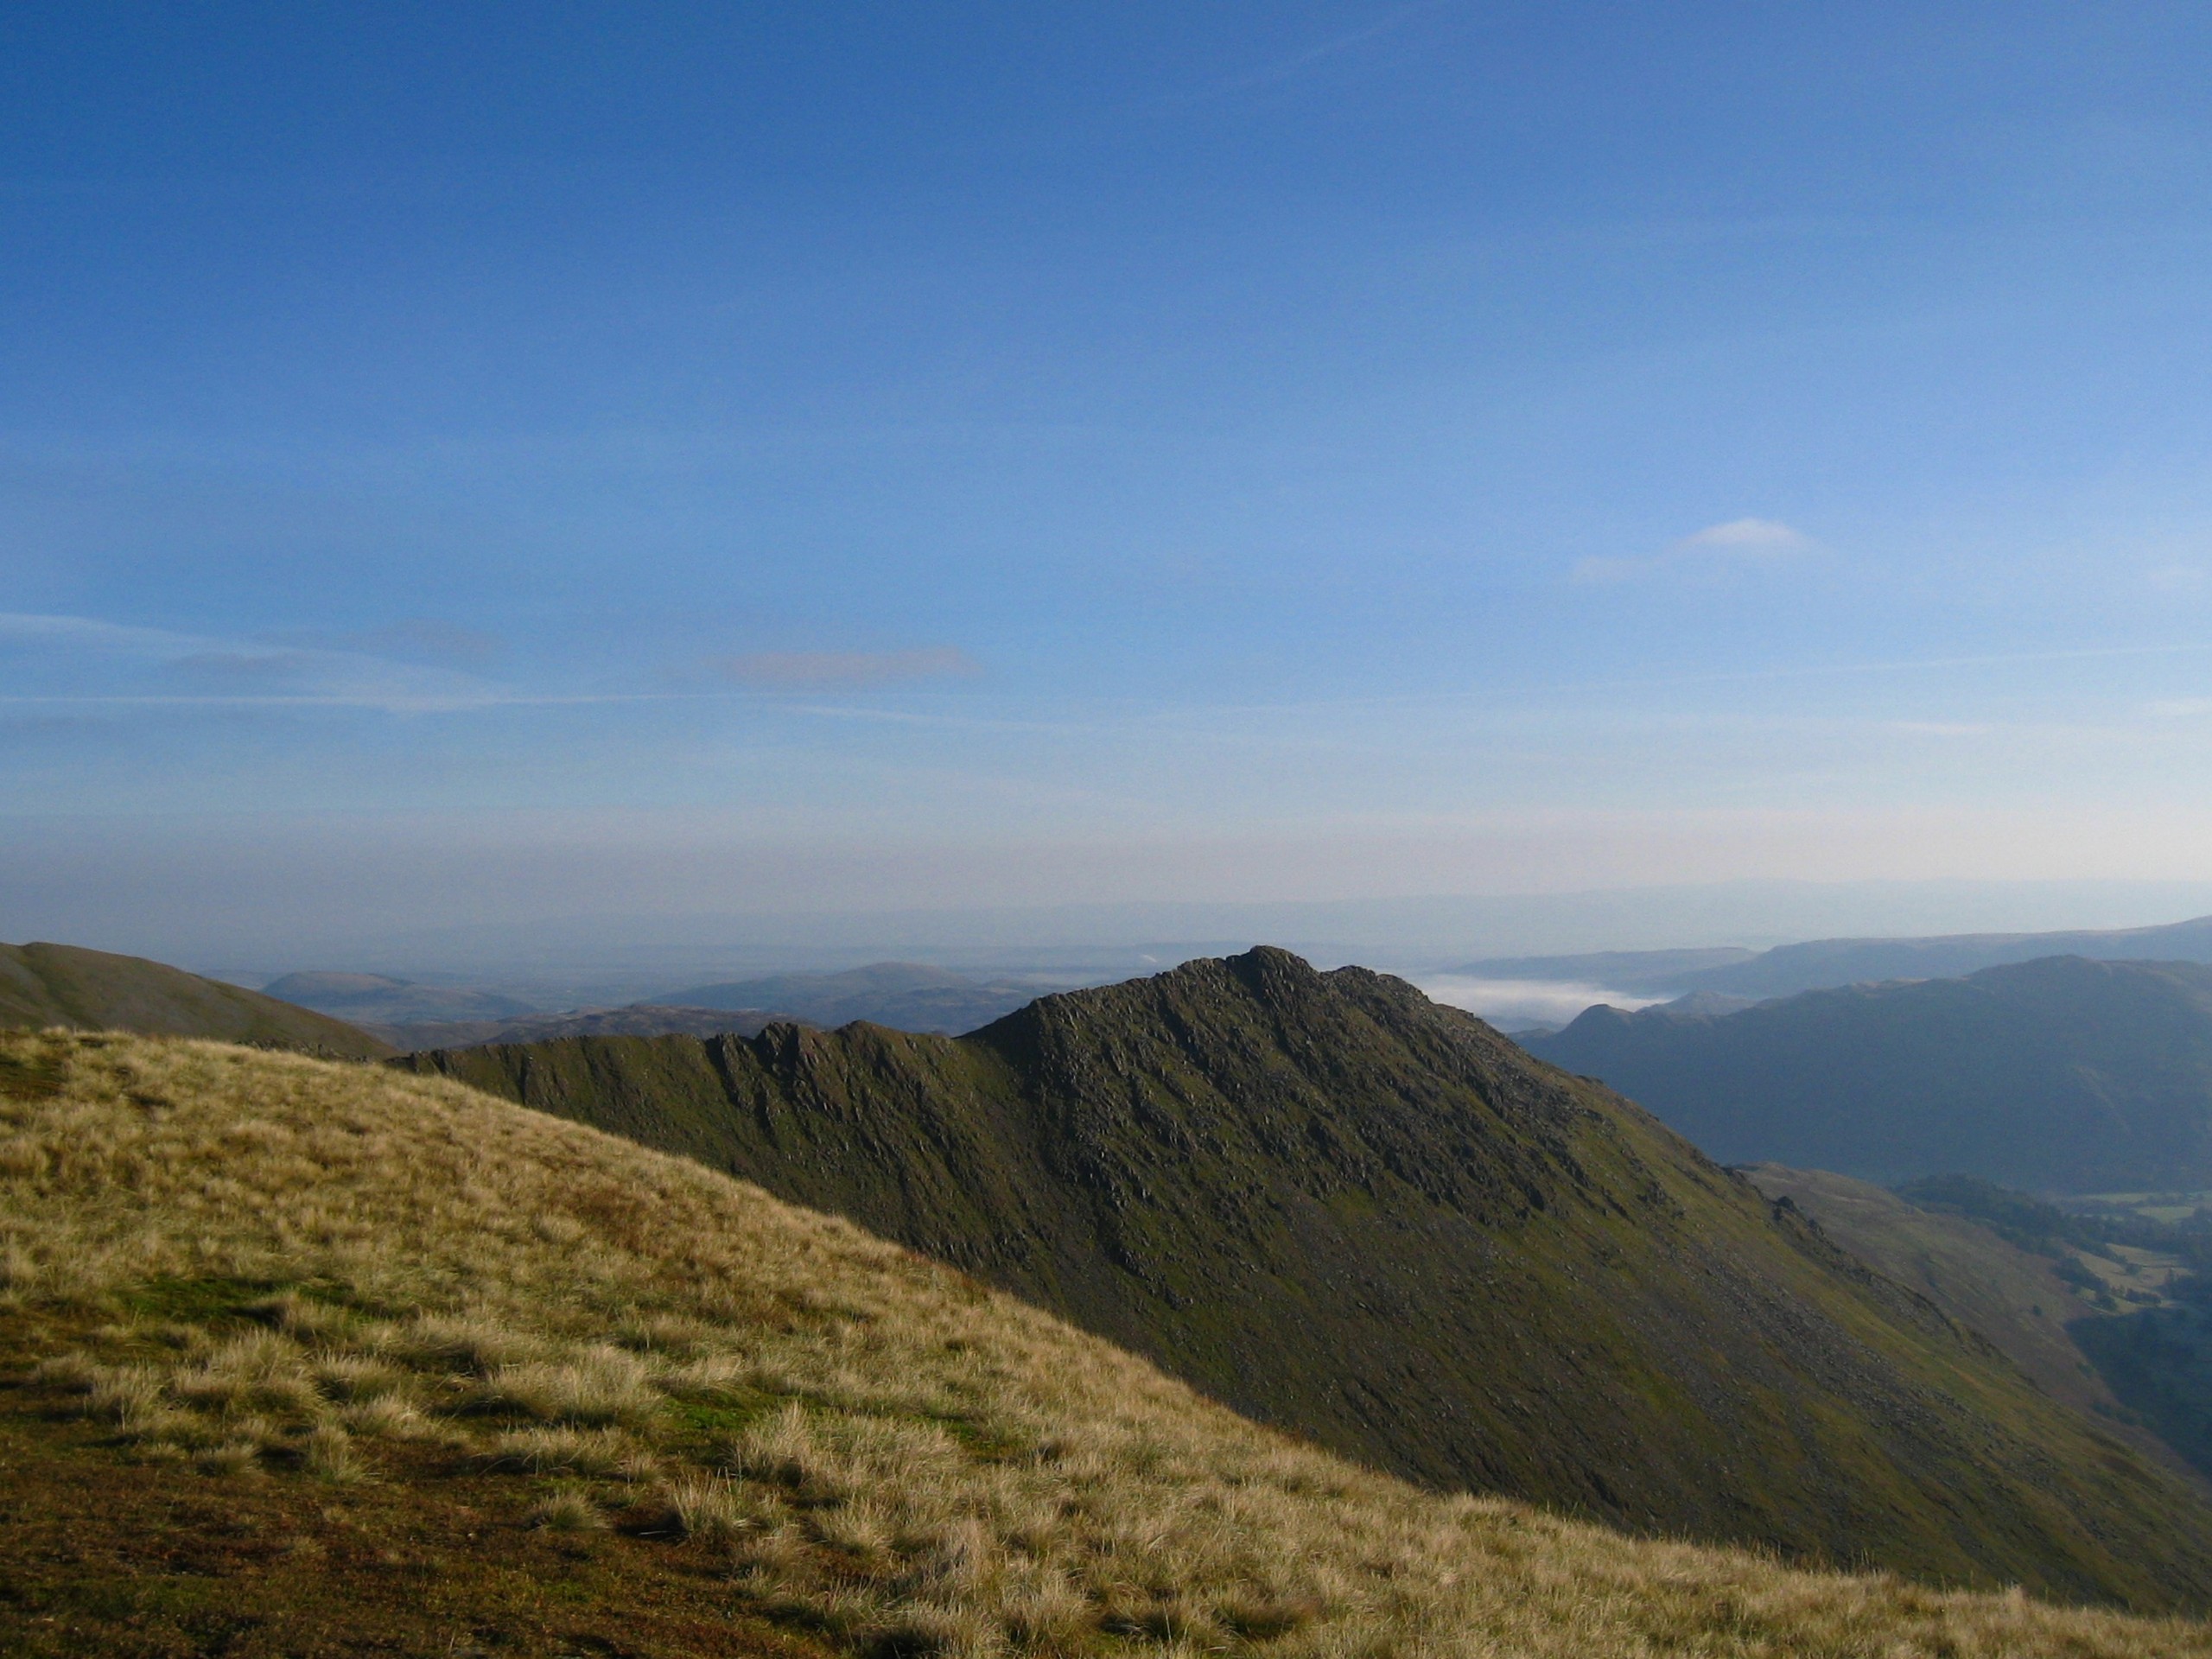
286 1285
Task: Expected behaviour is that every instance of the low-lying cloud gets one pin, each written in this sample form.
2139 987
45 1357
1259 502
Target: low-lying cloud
818 670
1517 1003
1739 543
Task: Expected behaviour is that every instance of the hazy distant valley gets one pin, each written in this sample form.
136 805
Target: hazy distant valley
910 996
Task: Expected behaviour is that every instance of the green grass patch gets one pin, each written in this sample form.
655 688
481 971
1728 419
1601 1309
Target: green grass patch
696 1424
197 1301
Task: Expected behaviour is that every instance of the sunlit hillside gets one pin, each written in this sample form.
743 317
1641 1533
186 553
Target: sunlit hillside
319 1299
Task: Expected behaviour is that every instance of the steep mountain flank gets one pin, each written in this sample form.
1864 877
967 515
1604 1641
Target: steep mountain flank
2013 1296
1352 1212
2062 1076
45 985
303 1358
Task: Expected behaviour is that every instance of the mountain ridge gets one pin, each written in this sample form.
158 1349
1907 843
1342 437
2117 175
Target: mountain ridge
1347 1210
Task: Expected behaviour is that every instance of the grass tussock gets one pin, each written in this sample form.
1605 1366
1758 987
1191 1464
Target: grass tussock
330 1260
568 1510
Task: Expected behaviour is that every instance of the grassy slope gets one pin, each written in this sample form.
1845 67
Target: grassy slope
2061 1074
333 1359
65 985
1341 1208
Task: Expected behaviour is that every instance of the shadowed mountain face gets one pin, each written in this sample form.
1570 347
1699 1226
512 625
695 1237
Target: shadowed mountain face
1350 1211
43 985
2062 1075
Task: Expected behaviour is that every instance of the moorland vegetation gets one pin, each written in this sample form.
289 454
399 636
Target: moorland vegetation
249 1273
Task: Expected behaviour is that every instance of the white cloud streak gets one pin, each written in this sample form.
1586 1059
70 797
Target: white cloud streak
817 671
83 660
1738 544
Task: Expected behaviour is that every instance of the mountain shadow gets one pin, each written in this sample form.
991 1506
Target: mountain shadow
1362 1217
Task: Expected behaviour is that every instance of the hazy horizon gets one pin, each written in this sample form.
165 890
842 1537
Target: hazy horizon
243 922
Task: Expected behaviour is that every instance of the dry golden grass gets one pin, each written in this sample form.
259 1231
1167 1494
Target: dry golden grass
299 1260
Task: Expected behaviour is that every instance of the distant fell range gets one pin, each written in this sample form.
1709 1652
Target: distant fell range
636 1020
1819 965
904 995
43 985
2061 1074
379 1000
1348 1211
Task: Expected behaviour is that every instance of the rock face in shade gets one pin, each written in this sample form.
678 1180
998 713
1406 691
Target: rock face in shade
2059 1075
1370 1219
43 985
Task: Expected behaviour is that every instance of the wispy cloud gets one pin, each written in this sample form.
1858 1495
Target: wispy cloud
1297 63
50 660
817 671
61 659
414 638
1739 543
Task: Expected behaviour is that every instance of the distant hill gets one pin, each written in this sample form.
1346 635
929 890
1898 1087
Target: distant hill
315 1358
1819 965
904 995
1345 1210
2061 1074
66 985
1820 962
376 1000
635 1020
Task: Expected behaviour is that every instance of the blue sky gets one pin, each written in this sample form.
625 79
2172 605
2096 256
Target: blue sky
761 457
